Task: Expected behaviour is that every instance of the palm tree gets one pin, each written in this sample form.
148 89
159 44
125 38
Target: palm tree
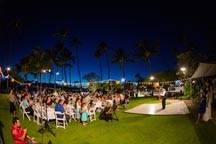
76 45
98 55
120 57
63 58
70 72
23 67
103 49
34 63
39 60
51 54
145 51
186 54
91 77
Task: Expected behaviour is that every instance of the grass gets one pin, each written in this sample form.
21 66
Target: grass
131 129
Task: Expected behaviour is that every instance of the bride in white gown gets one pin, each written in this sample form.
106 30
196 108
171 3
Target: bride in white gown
207 115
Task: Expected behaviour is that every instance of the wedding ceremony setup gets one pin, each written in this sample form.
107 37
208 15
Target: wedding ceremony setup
97 72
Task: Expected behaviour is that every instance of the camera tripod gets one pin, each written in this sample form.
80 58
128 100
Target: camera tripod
45 125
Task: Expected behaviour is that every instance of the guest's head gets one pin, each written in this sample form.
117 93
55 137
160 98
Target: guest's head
61 101
16 122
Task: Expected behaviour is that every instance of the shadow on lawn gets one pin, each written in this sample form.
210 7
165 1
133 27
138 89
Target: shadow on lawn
204 130
1 133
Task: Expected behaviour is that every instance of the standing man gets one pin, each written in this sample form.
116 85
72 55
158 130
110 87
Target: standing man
163 97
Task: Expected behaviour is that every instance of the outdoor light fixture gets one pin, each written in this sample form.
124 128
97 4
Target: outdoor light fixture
183 69
8 68
123 80
43 71
57 73
152 78
49 70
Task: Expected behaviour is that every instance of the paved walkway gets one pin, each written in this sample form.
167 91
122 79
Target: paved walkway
173 107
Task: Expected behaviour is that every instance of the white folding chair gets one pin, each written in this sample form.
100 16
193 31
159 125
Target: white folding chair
44 115
60 119
37 116
50 114
71 112
92 114
25 113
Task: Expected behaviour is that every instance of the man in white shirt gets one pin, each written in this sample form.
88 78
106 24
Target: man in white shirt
163 96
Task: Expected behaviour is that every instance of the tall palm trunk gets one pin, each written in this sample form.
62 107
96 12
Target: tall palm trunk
150 69
62 69
70 75
40 82
122 70
101 70
65 73
78 67
37 81
108 65
50 76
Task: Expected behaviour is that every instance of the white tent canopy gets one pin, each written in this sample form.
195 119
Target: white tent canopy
205 70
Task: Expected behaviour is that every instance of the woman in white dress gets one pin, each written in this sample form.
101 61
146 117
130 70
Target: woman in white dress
207 115
78 108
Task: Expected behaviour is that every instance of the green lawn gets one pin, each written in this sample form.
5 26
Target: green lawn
131 129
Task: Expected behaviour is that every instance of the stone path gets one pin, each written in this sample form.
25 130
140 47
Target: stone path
173 107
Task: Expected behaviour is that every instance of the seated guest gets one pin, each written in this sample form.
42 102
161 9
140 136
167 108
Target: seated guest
26 105
126 101
84 114
49 101
19 134
78 108
106 114
60 106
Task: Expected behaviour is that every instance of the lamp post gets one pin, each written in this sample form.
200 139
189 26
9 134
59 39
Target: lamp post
152 79
8 69
56 74
123 83
42 71
48 79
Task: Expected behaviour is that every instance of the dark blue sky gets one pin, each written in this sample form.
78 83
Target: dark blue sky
121 25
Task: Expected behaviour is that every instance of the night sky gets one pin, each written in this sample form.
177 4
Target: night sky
121 25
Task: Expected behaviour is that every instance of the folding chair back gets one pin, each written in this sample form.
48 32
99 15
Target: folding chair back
60 120
25 113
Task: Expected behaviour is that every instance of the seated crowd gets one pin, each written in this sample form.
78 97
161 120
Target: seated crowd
76 106
46 105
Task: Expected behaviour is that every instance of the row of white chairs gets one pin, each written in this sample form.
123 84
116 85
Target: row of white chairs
59 116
